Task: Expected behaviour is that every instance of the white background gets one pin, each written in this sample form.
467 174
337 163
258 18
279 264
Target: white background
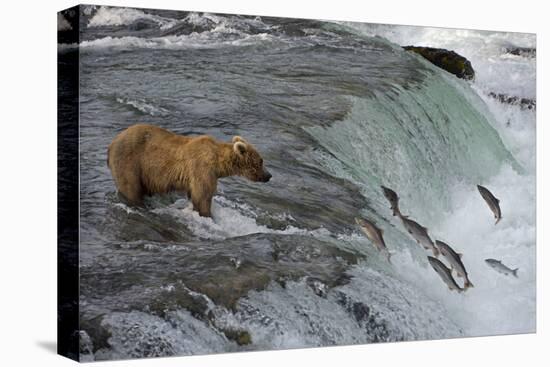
28 182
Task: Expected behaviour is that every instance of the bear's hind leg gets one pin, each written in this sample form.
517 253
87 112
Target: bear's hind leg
132 190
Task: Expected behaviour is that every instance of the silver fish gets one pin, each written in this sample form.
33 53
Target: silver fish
392 198
445 274
375 235
419 233
492 201
455 260
501 268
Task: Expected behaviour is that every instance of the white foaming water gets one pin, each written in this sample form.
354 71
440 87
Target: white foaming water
392 314
495 70
144 106
226 32
516 127
497 304
417 305
107 16
229 219
137 334
204 40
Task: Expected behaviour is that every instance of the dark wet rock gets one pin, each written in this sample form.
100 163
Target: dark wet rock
277 223
142 24
85 344
179 296
318 287
292 27
201 278
96 332
127 224
359 310
376 327
523 103
205 268
186 28
241 337
529 52
67 26
264 258
446 60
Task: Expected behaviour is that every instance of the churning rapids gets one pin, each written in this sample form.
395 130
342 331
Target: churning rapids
336 110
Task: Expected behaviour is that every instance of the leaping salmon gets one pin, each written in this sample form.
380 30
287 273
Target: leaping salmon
455 260
392 198
492 201
375 235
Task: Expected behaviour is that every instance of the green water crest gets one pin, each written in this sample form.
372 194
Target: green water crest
420 141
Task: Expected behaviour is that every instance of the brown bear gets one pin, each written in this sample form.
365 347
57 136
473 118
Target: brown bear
146 160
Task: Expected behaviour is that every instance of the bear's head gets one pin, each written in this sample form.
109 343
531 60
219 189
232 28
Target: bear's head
249 162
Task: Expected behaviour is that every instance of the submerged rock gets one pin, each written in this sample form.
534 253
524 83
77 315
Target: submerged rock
93 335
523 103
530 52
203 279
377 329
446 60
263 258
241 337
188 27
318 287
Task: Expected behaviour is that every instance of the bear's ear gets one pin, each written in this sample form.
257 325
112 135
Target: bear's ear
239 147
237 138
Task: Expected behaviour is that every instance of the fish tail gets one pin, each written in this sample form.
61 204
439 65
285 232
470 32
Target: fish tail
515 272
468 284
498 220
435 251
396 211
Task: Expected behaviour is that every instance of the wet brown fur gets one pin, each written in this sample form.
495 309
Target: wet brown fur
147 160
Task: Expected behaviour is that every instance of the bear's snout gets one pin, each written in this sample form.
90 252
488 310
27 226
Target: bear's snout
266 176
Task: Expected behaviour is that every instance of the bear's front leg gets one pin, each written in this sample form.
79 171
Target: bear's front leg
203 205
201 196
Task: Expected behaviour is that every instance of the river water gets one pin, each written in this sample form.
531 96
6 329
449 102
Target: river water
336 110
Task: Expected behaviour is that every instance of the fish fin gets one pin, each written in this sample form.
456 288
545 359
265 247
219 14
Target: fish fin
436 252
498 220
498 201
468 284
389 256
515 272
459 255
